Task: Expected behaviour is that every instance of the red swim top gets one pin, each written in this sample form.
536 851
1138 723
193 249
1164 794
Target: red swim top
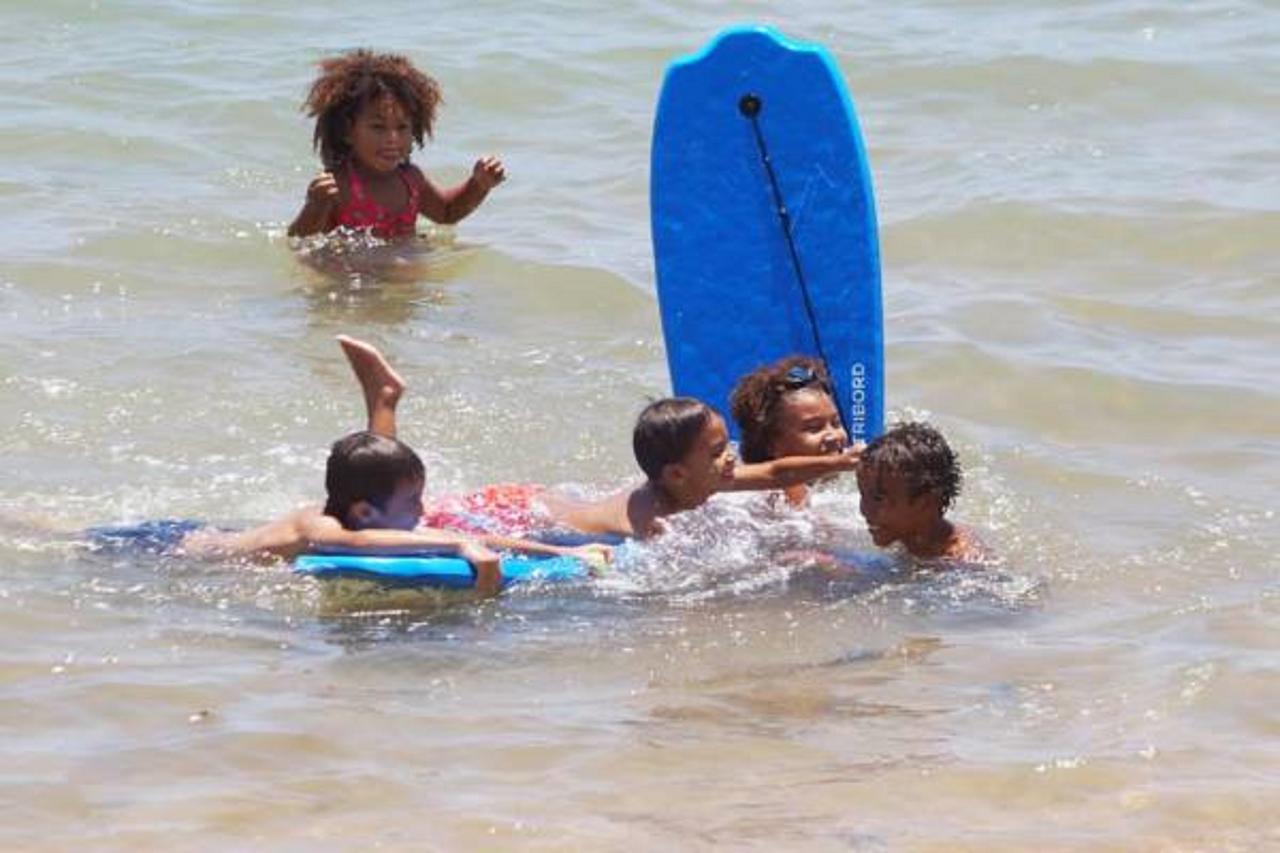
363 213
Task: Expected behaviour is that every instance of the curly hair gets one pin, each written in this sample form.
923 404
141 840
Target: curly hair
755 400
350 82
919 453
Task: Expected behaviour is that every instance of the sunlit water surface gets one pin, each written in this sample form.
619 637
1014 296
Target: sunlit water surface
1079 228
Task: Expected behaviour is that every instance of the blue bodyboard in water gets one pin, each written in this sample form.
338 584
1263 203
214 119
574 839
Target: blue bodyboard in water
764 224
438 571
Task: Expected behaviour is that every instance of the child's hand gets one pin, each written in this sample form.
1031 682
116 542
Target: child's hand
824 563
850 456
488 569
322 192
597 557
488 172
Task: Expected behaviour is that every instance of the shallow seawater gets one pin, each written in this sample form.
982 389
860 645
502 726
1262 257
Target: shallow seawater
1078 208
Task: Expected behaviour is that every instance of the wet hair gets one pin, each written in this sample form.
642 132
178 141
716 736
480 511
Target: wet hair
666 431
365 466
917 452
350 82
756 400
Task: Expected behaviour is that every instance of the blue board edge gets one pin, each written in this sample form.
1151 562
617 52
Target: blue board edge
438 571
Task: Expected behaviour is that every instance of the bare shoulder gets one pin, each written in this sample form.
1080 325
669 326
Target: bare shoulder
968 547
642 514
309 518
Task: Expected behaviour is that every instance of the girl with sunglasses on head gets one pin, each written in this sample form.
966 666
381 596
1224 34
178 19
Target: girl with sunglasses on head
907 478
785 409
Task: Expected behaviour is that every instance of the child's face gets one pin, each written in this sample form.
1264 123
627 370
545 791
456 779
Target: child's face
892 514
808 425
708 466
381 136
403 510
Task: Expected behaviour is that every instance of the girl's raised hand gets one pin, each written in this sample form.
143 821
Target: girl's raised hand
488 172
322 192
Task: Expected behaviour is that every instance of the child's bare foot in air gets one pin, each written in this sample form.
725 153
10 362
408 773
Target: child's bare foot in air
381 385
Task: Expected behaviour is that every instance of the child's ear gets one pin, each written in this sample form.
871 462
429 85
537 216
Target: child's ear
930 501
360 515
673 473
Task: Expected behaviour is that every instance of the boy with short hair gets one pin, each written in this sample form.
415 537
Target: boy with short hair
683 448
374 485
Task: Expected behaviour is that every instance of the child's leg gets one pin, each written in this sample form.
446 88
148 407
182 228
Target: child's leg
35 524
382 386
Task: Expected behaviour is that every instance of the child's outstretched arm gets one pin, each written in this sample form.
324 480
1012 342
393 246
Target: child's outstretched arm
316 216
452 205
791 470
325 533
594 555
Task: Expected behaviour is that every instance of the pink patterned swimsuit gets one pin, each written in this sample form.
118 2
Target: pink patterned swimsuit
507 509
362 213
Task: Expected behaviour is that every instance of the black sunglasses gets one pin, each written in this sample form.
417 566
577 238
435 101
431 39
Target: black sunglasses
801 376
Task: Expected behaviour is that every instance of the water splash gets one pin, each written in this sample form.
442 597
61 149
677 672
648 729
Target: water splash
356 260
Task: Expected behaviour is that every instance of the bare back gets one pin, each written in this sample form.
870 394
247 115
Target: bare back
632 513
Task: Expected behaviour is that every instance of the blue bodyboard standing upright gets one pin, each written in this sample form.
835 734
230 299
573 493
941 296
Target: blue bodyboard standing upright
764 224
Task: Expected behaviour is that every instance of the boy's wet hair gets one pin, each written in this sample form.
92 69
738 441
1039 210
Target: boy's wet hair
755 401
349 82
666 431
917 452
365 466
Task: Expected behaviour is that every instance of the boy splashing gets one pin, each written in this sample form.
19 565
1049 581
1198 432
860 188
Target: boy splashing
683 448
374 484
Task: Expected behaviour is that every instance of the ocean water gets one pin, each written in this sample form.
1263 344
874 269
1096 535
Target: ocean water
1080 214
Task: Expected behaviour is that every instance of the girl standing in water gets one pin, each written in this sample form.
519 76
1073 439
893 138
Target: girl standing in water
370 110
